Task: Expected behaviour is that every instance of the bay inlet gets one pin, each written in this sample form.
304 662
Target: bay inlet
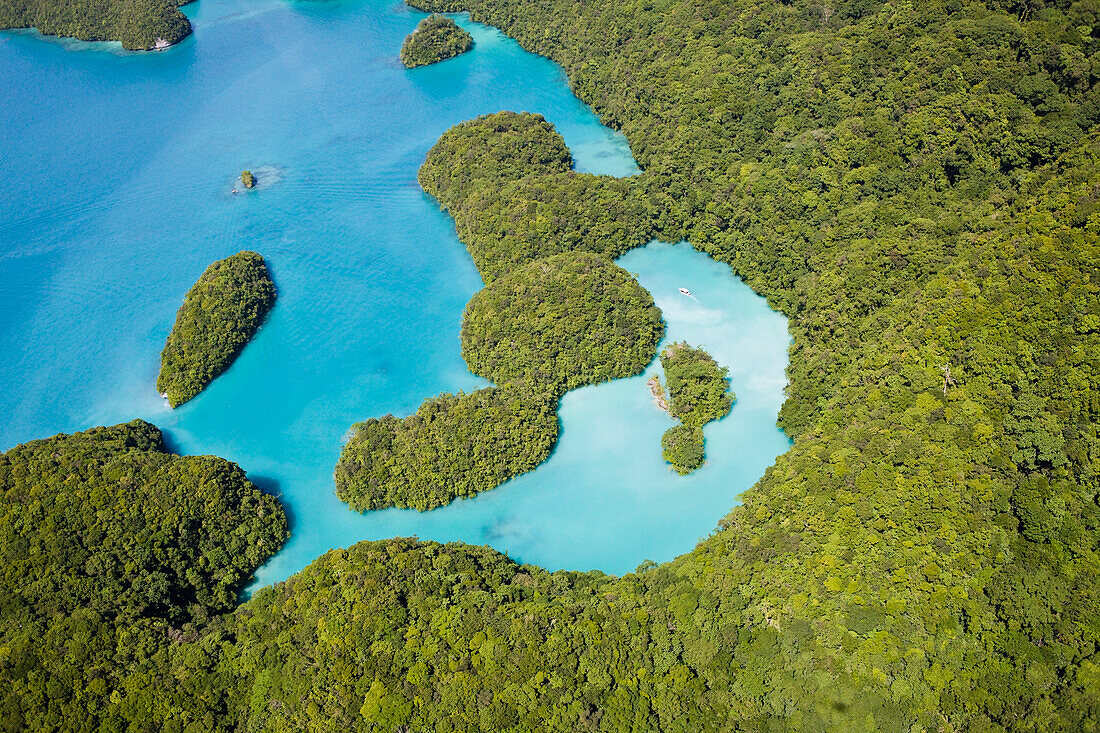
118 183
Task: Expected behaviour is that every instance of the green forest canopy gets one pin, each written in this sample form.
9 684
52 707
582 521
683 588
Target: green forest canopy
113 554
915 186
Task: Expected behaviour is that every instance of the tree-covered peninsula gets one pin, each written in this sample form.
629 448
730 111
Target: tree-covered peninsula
219 315
115 556
698 392
436 38
507 180
137 24
453 446
553 325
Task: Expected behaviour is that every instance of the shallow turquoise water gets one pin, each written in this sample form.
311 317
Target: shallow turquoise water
116 173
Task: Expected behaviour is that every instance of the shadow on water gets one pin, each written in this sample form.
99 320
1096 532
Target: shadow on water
171 444
272 486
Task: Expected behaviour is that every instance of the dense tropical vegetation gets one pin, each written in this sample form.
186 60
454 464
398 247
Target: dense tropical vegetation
115 554
454 445
916 187
507 180
219 315
137 24
560 323
436 38
698 392
684 447
248 180
698 388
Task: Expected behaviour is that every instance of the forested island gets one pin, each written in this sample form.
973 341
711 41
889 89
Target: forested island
697 393
916 187
137 24
219 315
560 323
684 447
454 445
436 38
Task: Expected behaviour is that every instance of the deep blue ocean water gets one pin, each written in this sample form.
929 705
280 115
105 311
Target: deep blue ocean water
116 178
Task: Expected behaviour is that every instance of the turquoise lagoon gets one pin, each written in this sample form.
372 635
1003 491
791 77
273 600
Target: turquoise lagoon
116 177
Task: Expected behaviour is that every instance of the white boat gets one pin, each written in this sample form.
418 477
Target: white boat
685 291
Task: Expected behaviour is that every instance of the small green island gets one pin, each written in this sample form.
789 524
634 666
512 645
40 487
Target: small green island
436 38
219 315
697 393
247 179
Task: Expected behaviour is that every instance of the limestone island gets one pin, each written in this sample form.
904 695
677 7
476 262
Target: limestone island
247 179
139 25
698 392
436 38
454 445
219 315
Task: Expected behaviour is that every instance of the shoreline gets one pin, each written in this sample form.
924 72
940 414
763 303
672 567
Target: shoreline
658 392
